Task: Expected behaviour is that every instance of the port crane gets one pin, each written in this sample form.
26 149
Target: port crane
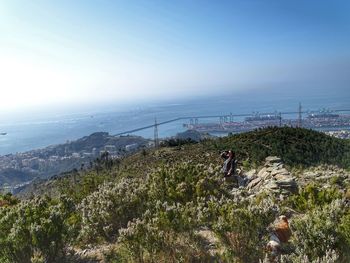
222 117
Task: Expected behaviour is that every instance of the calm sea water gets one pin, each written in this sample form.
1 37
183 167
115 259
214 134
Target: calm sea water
27 135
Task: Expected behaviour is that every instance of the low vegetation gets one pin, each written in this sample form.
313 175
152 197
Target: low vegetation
171 205
296 146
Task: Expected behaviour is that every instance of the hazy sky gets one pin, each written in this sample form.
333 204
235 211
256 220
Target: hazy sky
70 51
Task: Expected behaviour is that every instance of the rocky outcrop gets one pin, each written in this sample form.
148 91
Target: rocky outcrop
273 177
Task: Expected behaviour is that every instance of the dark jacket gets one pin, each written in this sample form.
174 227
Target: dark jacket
229 167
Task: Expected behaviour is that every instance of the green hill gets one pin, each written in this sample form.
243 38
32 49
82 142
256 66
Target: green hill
172 205
296 146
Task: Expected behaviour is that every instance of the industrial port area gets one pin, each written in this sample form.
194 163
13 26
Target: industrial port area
322 120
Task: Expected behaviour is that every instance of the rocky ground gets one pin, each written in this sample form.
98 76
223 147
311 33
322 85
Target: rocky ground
275 178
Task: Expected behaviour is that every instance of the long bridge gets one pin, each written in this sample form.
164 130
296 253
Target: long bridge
220 116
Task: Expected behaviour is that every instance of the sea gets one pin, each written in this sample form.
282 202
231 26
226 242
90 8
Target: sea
33 133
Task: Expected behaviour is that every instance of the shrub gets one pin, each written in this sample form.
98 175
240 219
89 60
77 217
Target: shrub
336 180
330 257
315 233
312 196
8 200
33 227
242 229
110 208
165 235
176 142
344 233
184 183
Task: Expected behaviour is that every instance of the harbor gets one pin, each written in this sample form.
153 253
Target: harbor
322 120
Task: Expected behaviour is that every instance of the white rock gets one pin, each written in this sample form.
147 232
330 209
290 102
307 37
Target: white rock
262 172
254 182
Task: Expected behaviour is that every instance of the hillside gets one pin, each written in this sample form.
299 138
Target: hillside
296 146
10 176
172 204
55 159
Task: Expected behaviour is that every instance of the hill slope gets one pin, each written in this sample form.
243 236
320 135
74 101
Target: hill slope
173 205
295 146
56 159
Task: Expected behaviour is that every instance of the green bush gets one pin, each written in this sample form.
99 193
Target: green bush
165 235
312 196
330 257
33 227
184 183
176 198
344 232
110 208
242 227
315 233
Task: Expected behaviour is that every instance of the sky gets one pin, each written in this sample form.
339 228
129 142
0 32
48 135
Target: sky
63 52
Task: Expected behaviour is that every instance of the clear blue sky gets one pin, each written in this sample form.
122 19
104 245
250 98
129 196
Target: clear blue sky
64 51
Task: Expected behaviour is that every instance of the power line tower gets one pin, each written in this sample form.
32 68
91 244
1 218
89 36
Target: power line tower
299 116
156 138
280 118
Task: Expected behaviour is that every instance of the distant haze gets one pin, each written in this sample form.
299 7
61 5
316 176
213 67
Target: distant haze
58 53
